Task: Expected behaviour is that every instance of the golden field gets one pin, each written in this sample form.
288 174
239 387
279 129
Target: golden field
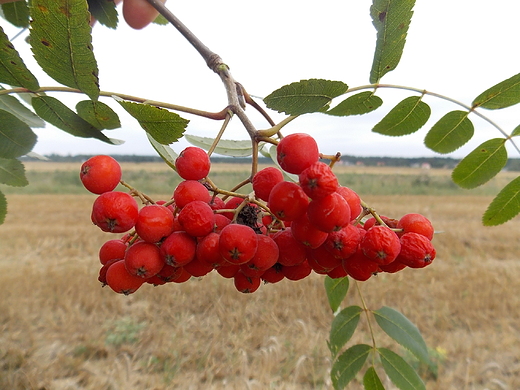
61 330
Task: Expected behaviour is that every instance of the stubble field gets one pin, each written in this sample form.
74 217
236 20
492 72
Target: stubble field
61 330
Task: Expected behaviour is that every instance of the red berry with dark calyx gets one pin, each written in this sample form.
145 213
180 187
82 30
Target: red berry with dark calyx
344 242
330 213
296 152
287 201
381 244
307 233
322 257
184 276
290 250
178 249
193 163
266 255
112 249
143 259
273 274
188 191
197 218
154 222
264 181
115 212
246 284
417 251
318 180
238 243
100 174
120 280
416 223
360 267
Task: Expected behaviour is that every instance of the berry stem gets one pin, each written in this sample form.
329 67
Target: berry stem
145 199
276 128
369 322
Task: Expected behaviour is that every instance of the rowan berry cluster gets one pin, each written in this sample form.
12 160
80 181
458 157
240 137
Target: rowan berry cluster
283 229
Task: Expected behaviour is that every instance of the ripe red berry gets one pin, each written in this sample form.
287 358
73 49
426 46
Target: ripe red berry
273 274
321 257
154 222
318 180
197 218
393 267
193 163
197 268
189 190
360 267
100 174
329 213
338 272
238 243
102 276
344 242
178 249
228 270
307 233
143 259
112 249
297 272
246 284
296 152
416 223
166 274
287 201
266 255
114 212
208 252
380 244
264 181
417 251
120 280
353 200
291 251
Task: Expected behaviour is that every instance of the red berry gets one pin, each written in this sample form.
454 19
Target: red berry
264 181
183 277
417 251
100 174
416 223
208 252
308 234
197 218
380 244
318 180
189 190
102 277
197 268
393 267
273 274
178 249
297 272
344 242
322 257
143 259
337 273
287 201
360 267
120 280
246 284
238 243
114 212
266 254
291 251
353 200
296 152
112 249
329 213
154 222
228 271
193 163
167 274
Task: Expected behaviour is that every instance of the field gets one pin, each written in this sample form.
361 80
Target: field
60 330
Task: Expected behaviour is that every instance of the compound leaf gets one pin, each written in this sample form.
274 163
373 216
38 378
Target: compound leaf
399 371
391 18
449 133
359 104
98 114
12 68
504 94
505 206
402 330
14 106
17 13
343 327
482 164
104 11
336 290
163 125
224 147
56 113
16 137
167 154
3 208
371 380
305 96
405 118
61 43
12 172
348 365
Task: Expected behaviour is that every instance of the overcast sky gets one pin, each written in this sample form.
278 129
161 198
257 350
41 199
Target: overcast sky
456 48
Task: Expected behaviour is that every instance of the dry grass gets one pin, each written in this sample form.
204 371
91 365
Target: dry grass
60 330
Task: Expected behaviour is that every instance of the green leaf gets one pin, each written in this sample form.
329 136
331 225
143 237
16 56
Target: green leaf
451 132
391 18
406 118
104 11
224 147
348 365
371 380
343 327
399 371
359 104
56 113
160 20
504 94
505 206
12 105
17 13
12 172
12 68
98 114
305 96
516 131
402 330
167 154
3 208
61 43
16 137
482 164
336 290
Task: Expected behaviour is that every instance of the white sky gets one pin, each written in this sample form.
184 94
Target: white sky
456 48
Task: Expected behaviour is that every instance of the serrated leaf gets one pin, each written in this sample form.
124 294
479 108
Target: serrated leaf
56 113
305 96
405 118
336 290
16 137
505 206
501 95
449 133
3 208
163 125
359 104
12 68
12 105
62 44
348 365
12 172
482 164
167 154
343 327
104 11
399 371
371 380
98 114
17 13
402 330
224 147
391 18
516 132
